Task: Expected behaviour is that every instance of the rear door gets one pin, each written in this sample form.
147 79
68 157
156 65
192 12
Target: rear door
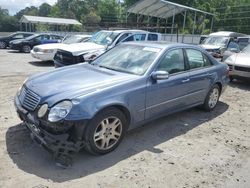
200 74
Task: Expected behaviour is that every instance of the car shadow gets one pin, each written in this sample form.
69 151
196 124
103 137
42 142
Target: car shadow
14 51
241 84
42 63
35 160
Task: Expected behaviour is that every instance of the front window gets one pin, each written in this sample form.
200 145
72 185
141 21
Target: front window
104 37
128 58
218 41
173 62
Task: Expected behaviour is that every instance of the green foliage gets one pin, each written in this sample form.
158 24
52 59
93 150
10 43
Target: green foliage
230 15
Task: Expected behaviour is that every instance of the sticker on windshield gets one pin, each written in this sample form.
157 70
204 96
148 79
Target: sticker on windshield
151 49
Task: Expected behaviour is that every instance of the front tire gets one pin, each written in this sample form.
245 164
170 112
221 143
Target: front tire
231 78
212 98
105 131
26 49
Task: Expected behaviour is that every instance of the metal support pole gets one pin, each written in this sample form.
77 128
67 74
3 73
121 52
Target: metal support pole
166 27
20 24
204 24
30 26
173 20
26 29
184 21
126 19
194 22
212 24
137 21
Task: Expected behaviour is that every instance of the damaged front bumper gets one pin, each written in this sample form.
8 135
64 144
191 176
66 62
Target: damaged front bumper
62 144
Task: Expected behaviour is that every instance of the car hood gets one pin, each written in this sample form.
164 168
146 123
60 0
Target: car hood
51 46
79 48
210 47
74 81
242 59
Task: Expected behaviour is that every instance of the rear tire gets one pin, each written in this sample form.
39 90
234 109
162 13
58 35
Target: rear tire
212 98
26 49
105 131
3 45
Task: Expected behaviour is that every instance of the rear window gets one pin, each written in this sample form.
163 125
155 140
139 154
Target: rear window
152 37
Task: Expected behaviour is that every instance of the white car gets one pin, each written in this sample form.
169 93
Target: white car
98 44
46 52
239 64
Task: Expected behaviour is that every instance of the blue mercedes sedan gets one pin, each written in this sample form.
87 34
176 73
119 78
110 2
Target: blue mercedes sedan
92 105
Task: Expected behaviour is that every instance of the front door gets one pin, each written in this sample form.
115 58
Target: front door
170 94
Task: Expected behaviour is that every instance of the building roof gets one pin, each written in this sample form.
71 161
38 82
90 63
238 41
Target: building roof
48 20
161 8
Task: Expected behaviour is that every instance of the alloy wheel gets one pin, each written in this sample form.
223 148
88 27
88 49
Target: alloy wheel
2 45
213 98
108 133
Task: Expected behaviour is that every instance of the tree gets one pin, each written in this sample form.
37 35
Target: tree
44 9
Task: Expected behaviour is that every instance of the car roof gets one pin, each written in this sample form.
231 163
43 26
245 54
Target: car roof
163 44
227 34
122 31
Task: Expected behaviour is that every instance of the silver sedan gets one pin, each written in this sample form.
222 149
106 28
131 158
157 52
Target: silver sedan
239 64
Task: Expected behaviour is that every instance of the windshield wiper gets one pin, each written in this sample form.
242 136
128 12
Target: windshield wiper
107 67
119 70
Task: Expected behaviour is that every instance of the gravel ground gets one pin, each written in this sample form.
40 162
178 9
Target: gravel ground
190 149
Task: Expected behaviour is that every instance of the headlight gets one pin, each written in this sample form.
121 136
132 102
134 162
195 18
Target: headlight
59 111
42 110
47 51
230 59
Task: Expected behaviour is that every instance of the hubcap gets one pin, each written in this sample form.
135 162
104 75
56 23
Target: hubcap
2 45
26 49
108 133
213 99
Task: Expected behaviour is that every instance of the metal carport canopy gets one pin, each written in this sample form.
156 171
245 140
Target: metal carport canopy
161 8
48 20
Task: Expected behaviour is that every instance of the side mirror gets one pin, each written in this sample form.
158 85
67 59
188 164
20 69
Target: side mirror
160 75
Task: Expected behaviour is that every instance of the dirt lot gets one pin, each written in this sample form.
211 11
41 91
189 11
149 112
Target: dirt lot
188 149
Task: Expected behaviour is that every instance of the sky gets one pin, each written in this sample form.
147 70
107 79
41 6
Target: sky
15 5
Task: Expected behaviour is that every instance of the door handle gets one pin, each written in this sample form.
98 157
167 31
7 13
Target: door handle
186 80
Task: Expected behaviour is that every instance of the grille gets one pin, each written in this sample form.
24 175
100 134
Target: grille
245 69
29 99
67 58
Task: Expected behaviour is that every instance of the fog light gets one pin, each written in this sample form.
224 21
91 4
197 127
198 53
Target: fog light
42 110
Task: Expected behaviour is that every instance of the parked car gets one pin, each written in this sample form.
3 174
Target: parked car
243 42
4 41
233 48
98 44
239 64
46 52
25 45
93 105
217 43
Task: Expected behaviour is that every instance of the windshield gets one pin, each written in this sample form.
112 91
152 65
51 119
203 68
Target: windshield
218 41
73 39
128 58
247 49
104 37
